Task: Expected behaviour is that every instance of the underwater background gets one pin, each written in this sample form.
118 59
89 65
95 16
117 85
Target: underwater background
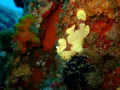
60 45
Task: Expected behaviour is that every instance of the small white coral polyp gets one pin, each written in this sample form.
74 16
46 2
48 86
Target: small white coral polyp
75 38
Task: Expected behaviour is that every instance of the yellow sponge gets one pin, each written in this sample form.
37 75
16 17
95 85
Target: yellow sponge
81 15
118 88
75 38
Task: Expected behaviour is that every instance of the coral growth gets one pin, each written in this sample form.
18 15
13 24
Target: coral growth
75 72
63 45
23 36
50 32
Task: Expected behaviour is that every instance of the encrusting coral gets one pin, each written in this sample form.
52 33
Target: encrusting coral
50 30
23 36
65 45
46 14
